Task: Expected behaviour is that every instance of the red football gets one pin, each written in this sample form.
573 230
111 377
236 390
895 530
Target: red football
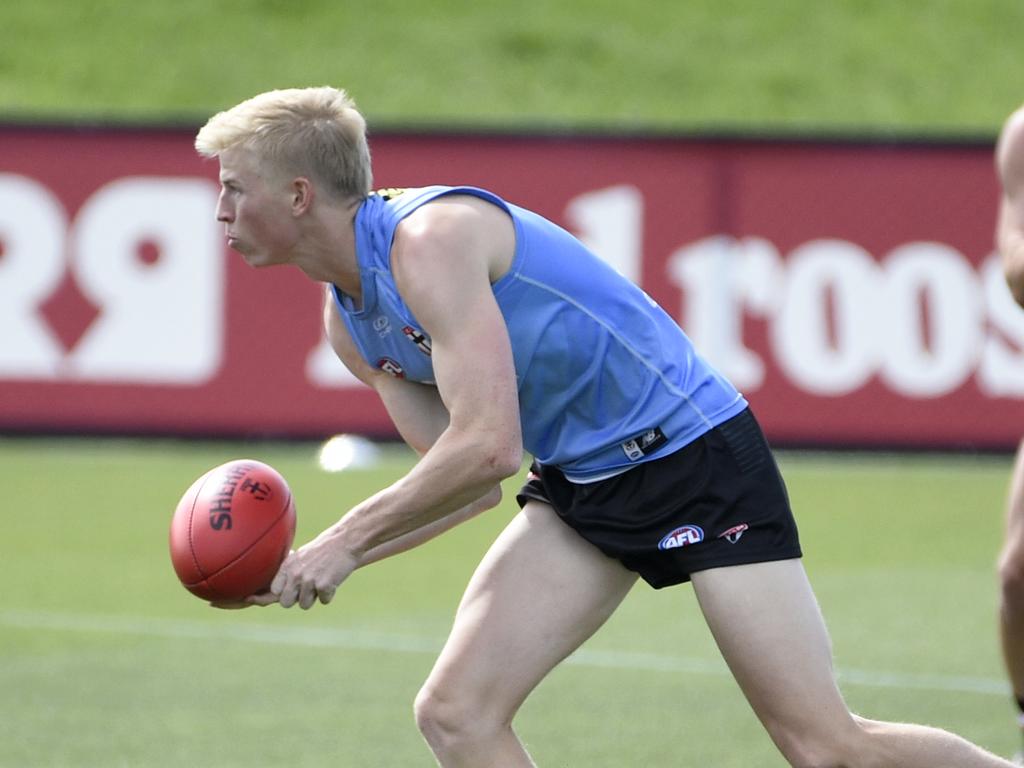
232 530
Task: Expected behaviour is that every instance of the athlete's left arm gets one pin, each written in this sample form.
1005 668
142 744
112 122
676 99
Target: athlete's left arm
1010 228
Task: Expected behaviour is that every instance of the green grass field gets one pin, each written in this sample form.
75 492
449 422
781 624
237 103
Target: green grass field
107 661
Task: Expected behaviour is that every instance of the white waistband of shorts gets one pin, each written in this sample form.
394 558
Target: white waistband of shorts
598 478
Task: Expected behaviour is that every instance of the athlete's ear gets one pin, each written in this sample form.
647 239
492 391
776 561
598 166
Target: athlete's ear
302 195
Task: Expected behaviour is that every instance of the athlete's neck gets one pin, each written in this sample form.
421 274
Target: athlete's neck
327 250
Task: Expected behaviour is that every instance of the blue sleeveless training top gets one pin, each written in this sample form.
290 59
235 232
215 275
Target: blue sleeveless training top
606 378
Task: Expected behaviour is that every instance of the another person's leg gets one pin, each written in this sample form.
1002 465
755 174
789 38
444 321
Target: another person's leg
1011 580
767 624
540 591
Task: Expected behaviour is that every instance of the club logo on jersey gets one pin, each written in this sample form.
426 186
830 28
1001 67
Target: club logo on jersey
382 325
391 367
419 338
733 534
389 193
642 445
683 536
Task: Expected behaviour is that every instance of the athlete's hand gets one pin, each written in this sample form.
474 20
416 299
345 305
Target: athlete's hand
260 598
313 572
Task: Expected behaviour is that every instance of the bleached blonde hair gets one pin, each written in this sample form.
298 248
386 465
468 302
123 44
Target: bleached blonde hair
313 132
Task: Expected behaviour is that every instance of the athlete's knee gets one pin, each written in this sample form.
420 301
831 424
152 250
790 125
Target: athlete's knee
808 752
850 745
437 716
869 744
449 719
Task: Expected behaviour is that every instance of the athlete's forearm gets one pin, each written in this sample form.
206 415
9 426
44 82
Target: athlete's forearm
447 486
427 532
461 468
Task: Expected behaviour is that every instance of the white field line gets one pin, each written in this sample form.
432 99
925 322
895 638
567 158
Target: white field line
370 640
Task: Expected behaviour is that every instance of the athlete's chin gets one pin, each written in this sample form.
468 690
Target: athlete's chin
253 256
256 260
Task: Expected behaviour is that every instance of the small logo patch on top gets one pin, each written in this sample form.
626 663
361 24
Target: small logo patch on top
683 536
642 445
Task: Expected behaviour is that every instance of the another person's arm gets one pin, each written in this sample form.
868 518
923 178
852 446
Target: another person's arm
1010 228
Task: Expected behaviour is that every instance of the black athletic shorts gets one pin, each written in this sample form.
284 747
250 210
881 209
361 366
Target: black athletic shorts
718 501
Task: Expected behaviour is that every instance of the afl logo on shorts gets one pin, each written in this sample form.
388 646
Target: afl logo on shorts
683 536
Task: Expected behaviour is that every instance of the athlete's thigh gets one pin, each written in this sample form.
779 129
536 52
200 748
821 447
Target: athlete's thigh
769 628
539 592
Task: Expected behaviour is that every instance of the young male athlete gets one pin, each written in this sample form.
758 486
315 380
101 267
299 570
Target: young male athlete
485 328
1010 241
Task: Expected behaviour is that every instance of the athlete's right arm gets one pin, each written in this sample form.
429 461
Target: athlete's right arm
419 416
1010 229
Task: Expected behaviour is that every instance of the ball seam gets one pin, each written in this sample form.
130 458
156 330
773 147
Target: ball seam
191 542
244 552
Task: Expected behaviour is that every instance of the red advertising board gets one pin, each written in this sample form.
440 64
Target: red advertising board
849 289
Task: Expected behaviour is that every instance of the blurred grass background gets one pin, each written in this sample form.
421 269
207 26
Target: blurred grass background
945 67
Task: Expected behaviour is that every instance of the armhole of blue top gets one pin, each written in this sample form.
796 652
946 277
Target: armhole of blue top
346 318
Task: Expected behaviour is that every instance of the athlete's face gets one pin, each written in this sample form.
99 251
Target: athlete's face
255 207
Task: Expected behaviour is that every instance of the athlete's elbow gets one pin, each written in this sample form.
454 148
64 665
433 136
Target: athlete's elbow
501 462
